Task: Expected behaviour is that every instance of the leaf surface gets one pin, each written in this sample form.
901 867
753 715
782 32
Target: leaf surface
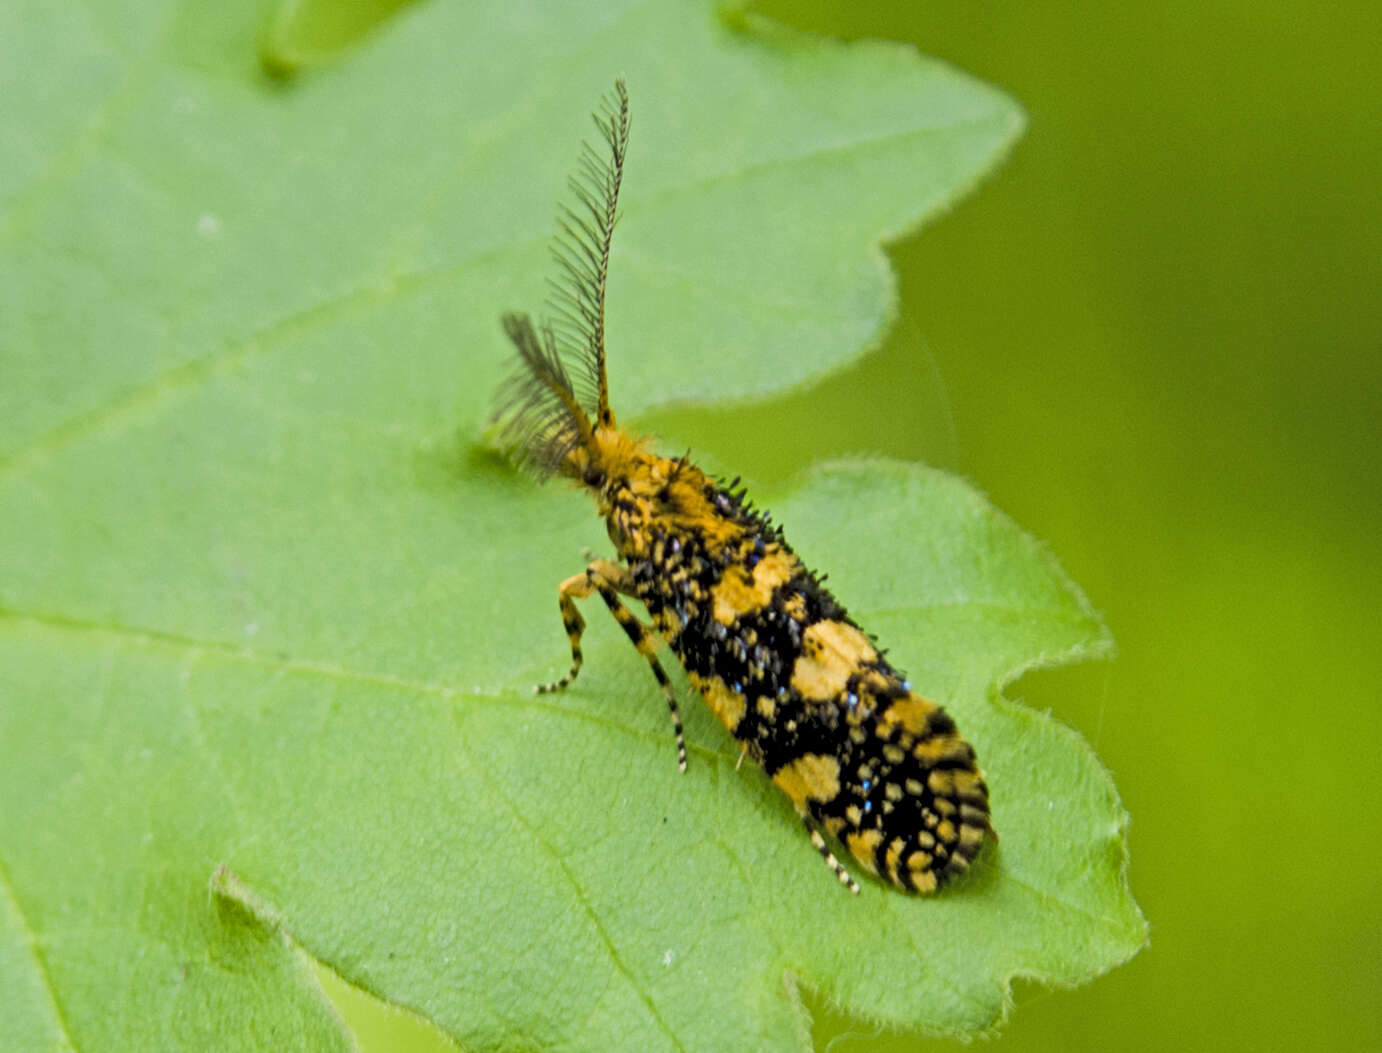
270 610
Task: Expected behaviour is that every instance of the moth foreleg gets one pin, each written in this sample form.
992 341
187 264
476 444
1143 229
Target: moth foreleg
578 587
609 579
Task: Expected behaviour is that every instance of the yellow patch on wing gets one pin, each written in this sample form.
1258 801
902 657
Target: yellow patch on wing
910 712
923 877
971 837
968 783
739 593
895 847
728 705
862 846
949 747
813 777
955 783
831 652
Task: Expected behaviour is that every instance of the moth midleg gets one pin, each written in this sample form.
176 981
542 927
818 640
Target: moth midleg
642 638
609 579
834 864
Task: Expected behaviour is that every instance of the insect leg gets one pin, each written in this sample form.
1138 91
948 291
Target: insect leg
578 587
829 856
643 639
575 626
609 579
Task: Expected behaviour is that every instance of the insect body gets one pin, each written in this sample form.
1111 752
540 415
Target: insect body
804 689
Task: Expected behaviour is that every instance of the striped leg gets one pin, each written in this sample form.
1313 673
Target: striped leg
575 626
829 856
608 579
578 587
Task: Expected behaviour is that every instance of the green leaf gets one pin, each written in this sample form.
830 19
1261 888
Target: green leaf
270 610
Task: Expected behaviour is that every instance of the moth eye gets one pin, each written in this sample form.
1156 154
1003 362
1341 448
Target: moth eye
594 477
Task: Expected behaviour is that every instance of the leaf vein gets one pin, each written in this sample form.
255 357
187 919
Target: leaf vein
195 649
36 953
590 912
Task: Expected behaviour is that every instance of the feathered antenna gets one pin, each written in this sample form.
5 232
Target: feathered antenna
549 415
581 249
545 419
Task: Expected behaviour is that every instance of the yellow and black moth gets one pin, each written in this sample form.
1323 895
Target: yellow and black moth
806 692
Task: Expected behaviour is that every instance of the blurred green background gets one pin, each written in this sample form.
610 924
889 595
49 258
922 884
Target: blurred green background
1153 339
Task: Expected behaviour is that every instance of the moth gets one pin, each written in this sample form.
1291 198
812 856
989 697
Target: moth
808 694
